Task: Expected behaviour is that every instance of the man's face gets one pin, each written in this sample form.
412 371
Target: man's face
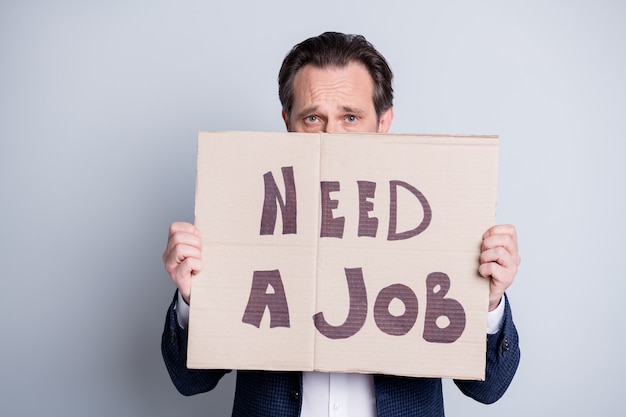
334 100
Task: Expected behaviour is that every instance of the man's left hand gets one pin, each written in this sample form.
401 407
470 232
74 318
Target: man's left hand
499 260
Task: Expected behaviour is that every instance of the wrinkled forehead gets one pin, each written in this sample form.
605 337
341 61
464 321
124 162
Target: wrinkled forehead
337 85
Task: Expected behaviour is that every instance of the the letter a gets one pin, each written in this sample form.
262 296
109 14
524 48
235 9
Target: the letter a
259 299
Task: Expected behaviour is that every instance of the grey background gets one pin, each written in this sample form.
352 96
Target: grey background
100 105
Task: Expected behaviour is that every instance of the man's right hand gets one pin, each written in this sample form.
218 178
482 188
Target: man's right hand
183 256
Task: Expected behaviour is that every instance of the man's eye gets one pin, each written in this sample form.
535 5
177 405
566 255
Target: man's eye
311 119
351 118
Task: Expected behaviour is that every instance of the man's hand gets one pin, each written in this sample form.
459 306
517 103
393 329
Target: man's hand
499 260
183 256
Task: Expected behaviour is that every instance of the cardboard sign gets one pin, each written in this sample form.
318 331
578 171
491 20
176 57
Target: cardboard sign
342 253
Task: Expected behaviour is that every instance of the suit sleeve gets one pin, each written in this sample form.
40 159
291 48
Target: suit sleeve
174 350
503 356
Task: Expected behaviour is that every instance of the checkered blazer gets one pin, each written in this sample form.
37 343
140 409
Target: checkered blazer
278 394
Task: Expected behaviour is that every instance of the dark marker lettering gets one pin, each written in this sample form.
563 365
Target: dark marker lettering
393 211
367 225
357 313
275 302
437 286
387 322
288 206
330 227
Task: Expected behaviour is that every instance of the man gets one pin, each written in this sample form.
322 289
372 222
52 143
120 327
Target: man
340 83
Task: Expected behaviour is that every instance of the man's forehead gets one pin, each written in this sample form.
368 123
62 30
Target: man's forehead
312 70
313 84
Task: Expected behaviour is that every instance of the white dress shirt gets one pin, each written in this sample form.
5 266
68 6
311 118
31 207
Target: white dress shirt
341 395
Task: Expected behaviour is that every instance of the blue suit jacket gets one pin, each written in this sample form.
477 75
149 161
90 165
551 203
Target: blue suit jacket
278 394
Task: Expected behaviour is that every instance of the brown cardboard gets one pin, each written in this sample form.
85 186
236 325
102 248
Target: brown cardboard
444 191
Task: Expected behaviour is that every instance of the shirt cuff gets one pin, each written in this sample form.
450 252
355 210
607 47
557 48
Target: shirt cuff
495 318
182 312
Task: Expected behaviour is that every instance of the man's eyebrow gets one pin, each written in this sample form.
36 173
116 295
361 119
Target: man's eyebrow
349 109
307 110
313 109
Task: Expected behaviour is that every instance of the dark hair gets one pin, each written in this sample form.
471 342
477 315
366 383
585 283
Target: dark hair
332 49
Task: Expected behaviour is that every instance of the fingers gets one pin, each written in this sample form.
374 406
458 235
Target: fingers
500 245
182 257
183 233
499 260
179 254
182 275
499 233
